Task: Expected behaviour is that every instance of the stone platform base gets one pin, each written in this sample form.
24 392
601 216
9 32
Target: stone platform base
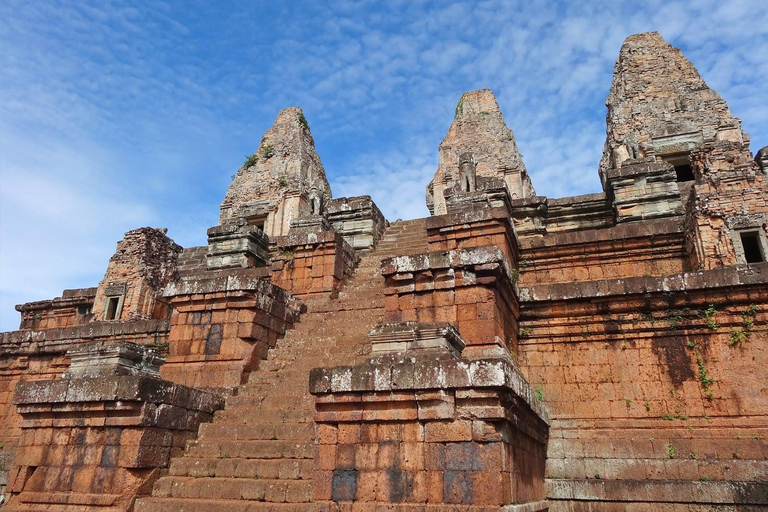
533 506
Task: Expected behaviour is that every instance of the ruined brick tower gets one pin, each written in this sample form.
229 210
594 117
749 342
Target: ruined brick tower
510 352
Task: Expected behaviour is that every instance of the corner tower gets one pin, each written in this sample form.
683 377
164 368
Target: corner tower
659 109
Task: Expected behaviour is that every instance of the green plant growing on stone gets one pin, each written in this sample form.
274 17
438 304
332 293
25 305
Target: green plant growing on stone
159 346
267 151
460 106
539 393
709 313
303 121
525 331
741 336
250 161
704 479
705 380
628 401
738 337
670 451
282 182
647 406
674 317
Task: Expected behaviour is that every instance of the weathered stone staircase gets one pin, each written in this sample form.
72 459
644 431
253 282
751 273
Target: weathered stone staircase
258 452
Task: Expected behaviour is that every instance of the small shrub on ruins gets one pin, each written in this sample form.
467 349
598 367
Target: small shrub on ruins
709 313
250 161
740 336
705 380
647 406
539 393
267 151
525 331
282 182
303 121
670 451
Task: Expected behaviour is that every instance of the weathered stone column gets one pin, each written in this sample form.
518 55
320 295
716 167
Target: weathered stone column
418 426
99 437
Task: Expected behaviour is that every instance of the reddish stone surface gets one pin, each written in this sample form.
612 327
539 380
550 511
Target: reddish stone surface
471 289
312 265
222 326
447 437
98 443
635 314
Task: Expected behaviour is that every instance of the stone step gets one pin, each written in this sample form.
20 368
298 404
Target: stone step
274 449
259 431
251 489
208 505
300 469
243 415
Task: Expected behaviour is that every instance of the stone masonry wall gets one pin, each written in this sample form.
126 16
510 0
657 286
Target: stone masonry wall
471 289
424 430
654 387
222 326
650 248
312 264
144 262
730 194
27 356
72 308
97 443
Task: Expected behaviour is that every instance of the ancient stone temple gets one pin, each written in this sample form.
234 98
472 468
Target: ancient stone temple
511 352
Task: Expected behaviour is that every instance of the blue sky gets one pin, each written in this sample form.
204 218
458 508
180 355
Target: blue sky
116 115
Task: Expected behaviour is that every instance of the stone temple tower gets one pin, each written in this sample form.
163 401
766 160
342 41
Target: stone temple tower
282 181
479 153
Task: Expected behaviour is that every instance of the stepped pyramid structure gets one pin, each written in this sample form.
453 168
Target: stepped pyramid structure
511 352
